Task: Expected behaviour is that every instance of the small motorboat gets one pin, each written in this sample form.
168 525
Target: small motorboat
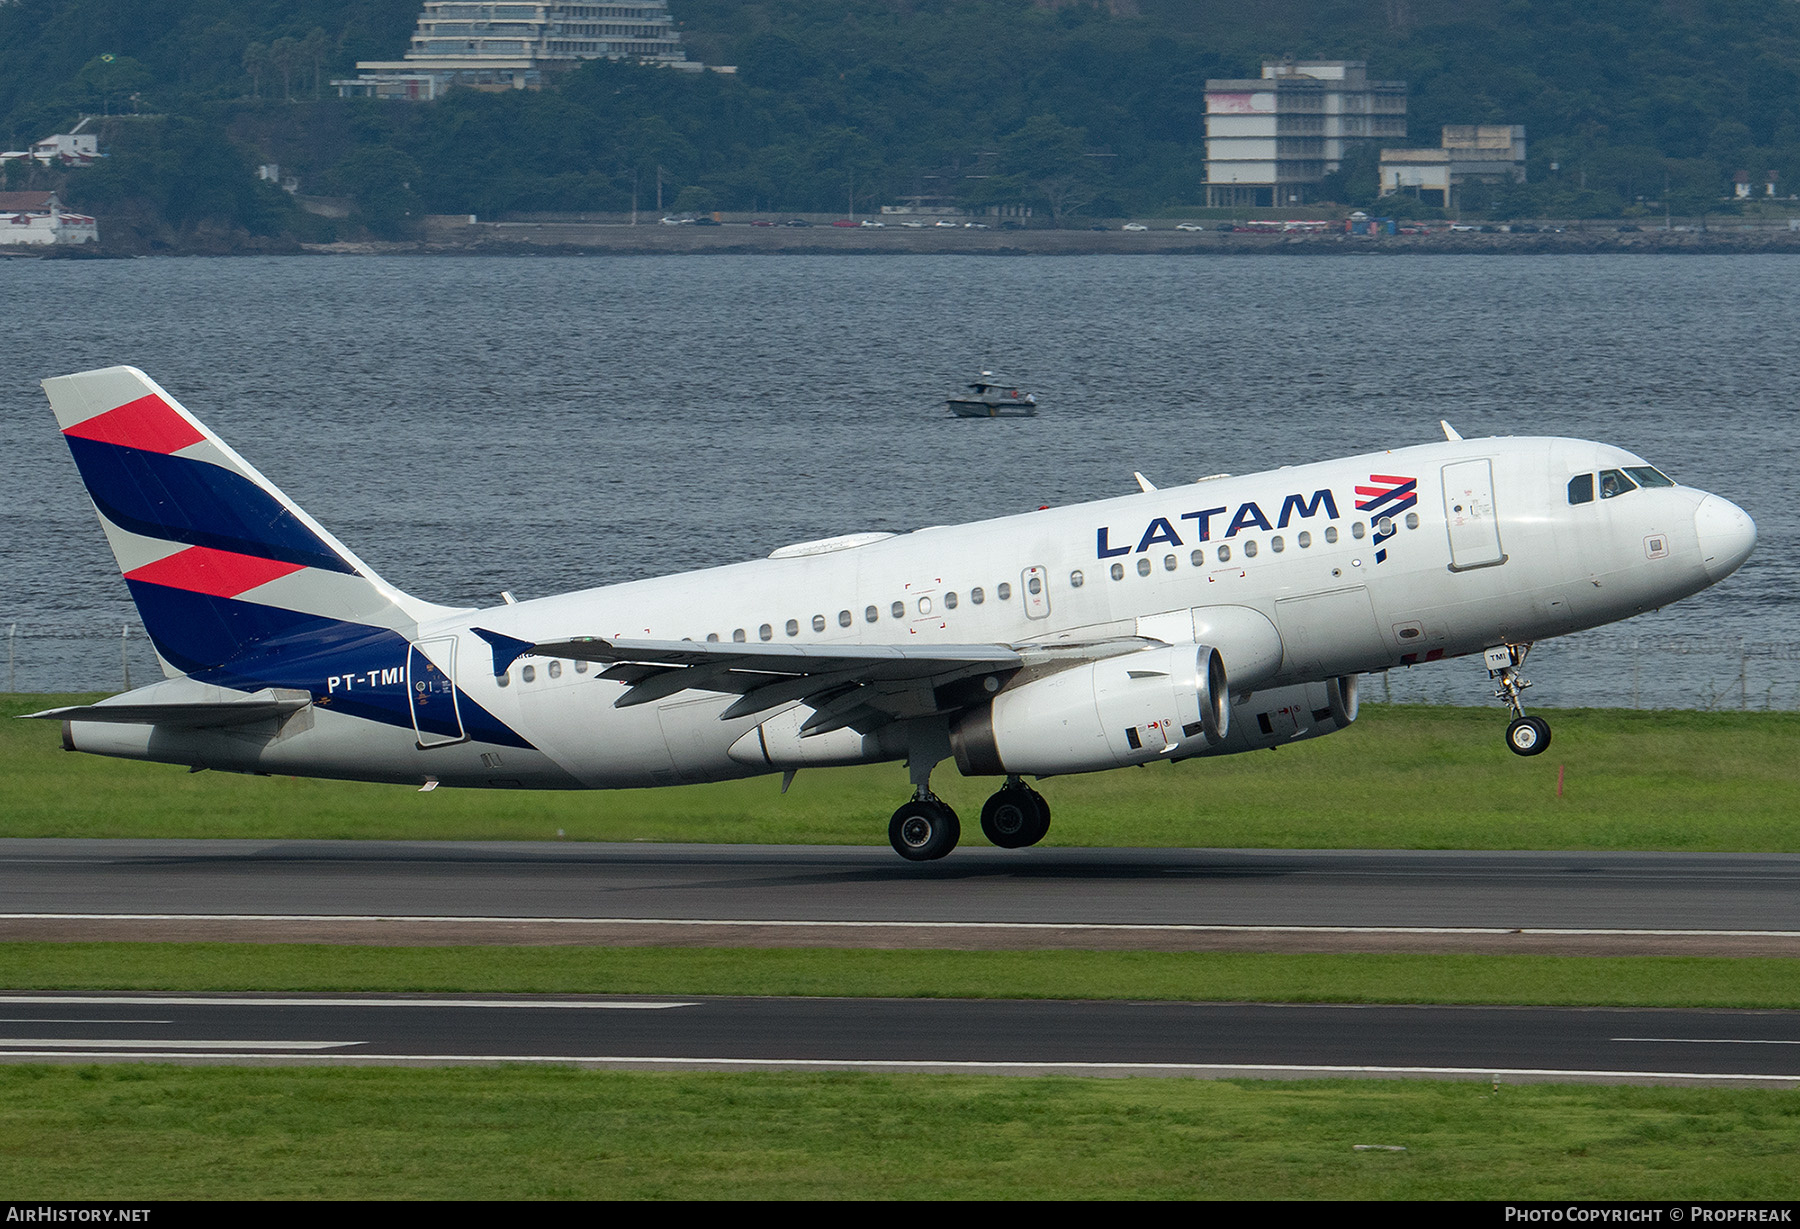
993 397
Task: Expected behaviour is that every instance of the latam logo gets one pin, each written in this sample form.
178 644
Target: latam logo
1248 516
1385 497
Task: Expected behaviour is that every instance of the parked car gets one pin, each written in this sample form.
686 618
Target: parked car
1134 226
1189 226
762 222
913 225
796 222
677 221
844 222
870 224
975 225
946 222
707 222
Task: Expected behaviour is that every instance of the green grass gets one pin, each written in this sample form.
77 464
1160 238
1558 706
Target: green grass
1403 777
1642 981
136 1132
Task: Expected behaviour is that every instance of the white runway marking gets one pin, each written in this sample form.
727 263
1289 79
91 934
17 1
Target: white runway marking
1713 1041
1199 1070
8 1044
1559 931
218 1000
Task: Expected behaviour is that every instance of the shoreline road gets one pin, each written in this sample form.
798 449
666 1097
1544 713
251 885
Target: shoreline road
1152 899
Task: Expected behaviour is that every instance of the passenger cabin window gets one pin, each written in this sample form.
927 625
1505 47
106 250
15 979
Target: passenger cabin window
1224 554
871 615
793 627
737 637
1581 489
555 669
711 638
1143 567
949 601
1250 549
766 632
818 623
1003 591
1198 558
844 618
899 609
1076 580
529 674
1331 533
1304 539
977 596
1614 483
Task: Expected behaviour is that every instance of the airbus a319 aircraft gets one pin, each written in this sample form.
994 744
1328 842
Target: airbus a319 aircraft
1233 614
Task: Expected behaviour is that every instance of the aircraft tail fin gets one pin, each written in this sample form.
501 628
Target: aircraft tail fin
224 568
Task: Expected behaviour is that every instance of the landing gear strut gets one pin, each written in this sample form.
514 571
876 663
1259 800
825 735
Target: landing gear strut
1016 816
925 829
1526 735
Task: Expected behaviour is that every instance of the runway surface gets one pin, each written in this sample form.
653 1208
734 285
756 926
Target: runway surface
1173 899
1509 1044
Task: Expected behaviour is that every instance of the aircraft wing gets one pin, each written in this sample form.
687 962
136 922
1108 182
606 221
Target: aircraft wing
859 685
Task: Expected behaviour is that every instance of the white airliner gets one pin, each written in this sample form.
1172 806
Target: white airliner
1229 615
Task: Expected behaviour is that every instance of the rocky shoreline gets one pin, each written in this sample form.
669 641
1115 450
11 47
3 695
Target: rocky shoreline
457 236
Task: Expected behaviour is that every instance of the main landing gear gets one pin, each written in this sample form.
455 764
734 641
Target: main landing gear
1526 735
926 828
1016 816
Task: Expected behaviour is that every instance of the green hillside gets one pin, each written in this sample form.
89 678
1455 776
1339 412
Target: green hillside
1072 107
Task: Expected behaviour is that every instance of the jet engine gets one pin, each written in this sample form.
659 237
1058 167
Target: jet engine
1279 715
1165 702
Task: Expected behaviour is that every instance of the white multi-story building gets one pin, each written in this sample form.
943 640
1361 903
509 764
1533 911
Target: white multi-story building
37 219
1270 140
511 44
1494 153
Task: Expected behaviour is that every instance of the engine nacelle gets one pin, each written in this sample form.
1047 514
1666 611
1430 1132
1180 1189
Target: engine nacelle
1276 716
1166 702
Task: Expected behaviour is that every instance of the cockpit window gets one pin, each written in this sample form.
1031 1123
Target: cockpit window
1614 483
1581 489
1649 475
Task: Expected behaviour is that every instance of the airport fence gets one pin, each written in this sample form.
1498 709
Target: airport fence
1601 669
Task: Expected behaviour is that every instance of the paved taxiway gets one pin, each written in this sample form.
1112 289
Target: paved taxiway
1510 1044
1177 899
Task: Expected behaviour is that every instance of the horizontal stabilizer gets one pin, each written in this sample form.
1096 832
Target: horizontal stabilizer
265 705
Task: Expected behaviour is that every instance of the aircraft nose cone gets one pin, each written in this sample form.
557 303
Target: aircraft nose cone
1727 535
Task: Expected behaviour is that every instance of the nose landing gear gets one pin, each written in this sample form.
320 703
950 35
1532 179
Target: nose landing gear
1526 735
